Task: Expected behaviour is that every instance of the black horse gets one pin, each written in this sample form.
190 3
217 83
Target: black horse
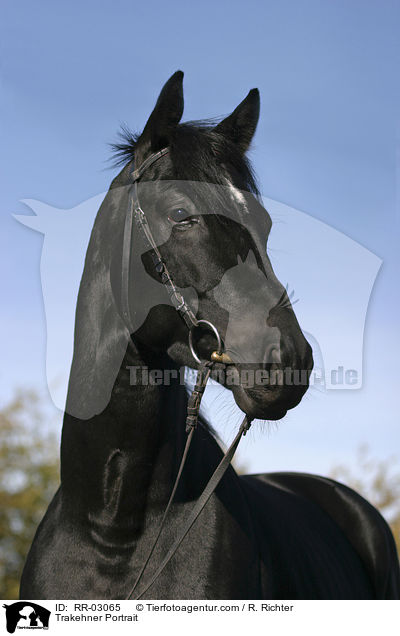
282 535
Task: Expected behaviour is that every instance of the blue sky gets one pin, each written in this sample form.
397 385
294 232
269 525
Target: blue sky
327 144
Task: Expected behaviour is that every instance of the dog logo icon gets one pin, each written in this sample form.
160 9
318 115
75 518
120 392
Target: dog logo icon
26 615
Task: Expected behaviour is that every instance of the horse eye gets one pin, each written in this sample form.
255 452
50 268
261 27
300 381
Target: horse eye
178 215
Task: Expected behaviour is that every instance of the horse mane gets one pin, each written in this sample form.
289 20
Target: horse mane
123 150
194 147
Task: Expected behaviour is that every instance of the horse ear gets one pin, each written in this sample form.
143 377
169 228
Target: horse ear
166 115
240 126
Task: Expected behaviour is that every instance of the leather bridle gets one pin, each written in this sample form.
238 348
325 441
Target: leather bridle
136 213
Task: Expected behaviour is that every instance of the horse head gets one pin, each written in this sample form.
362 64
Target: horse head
211 230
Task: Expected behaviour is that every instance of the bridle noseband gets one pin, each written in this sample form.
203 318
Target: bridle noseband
136 213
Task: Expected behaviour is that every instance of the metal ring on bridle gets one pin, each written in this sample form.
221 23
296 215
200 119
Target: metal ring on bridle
211 328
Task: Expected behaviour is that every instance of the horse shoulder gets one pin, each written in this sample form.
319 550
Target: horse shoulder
363 526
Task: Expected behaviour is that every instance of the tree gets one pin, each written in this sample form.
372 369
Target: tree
28 480
378 481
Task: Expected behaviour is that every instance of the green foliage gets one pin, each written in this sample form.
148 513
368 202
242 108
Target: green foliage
378 481
28 480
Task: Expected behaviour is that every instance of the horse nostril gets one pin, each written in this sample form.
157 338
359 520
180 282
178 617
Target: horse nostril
276 355
272 355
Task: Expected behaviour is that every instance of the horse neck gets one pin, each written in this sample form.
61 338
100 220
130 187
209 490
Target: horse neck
124 460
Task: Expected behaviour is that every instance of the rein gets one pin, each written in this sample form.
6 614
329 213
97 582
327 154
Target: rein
136 213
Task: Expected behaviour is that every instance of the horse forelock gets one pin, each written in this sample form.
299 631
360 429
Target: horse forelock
198 153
